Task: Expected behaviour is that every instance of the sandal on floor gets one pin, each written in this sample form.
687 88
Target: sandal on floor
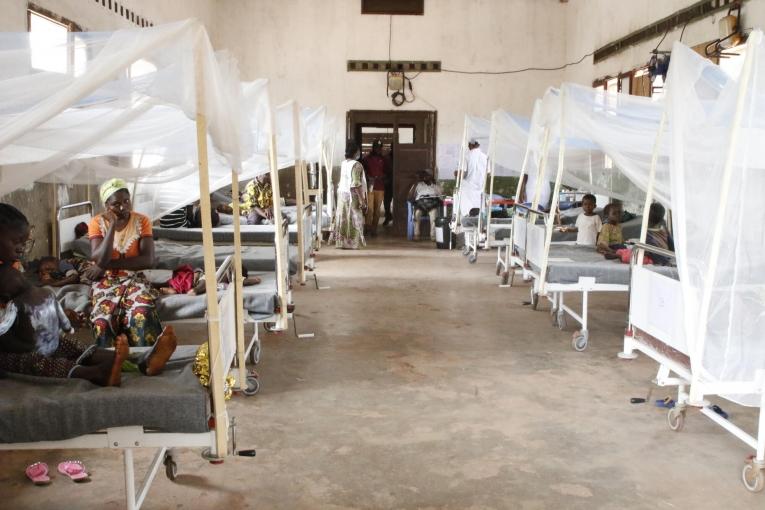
665 402
38 473
75 470
719 411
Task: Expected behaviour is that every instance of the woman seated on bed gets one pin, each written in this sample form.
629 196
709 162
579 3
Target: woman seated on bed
121 247
31 321
256 203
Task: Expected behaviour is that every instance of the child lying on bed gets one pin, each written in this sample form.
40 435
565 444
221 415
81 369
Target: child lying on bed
190 281
31 322
56 273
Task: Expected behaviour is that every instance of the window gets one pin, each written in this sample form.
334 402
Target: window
48 41
405 135
49 37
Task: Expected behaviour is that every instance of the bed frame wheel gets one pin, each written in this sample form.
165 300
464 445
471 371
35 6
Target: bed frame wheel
753 477
465 250
498 269
253 386
676 419
534 299
472 258
505 277
255 353
171 468
580 340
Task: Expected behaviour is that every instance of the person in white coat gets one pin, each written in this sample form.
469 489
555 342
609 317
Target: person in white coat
474 179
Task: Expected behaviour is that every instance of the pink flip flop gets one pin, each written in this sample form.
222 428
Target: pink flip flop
38 473
74 470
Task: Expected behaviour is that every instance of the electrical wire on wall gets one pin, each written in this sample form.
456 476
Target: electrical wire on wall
522 70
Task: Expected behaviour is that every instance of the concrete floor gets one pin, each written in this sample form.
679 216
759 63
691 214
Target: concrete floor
427 386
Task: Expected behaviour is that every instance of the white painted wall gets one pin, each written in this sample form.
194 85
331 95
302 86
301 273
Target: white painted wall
590 24
302 46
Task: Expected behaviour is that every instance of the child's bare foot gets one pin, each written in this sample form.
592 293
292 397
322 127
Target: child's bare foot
121 352
160 354
251 280
167 291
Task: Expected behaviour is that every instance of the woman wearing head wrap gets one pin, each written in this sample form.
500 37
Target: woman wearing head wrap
121 246
348 228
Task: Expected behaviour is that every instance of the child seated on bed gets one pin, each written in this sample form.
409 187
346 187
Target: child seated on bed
31 322
588 224
610 238
658 235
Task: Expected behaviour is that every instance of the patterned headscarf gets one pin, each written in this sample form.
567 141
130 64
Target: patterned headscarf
111 187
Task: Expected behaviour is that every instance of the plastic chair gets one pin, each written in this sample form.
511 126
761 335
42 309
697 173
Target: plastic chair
410 221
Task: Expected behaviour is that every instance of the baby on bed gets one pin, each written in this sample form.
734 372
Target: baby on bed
32 322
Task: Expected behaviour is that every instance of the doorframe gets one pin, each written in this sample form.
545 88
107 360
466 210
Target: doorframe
425 124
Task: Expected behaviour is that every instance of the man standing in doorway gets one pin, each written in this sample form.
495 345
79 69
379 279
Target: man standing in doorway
388 187
374 167
473 180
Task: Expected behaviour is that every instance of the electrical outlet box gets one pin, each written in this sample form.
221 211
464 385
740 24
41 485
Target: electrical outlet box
396 81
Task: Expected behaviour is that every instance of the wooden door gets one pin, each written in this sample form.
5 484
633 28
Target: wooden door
412 140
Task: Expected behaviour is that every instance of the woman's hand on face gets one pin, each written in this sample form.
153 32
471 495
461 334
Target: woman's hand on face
93 273
110 217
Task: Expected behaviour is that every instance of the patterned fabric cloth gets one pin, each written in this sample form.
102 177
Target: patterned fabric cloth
427 204
123 302
58 364
127 240
256 194
348 228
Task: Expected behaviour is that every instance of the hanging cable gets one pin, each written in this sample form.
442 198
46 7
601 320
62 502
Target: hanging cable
662 39
515 71
390 36
683 30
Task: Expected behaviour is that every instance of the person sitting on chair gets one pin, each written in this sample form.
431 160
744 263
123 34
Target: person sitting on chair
425 196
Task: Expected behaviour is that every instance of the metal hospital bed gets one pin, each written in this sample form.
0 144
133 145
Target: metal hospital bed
47 414
556 269
260 302
655 328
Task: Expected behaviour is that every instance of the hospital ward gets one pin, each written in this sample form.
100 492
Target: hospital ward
382 254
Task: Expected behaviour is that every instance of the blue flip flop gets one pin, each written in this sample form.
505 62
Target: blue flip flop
719 411
667 403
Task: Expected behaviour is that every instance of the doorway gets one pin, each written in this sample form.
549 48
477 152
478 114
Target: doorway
410 139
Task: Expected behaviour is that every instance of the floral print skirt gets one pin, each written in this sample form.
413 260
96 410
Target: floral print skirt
123 302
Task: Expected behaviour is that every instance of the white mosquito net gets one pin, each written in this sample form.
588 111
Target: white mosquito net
509 136
312 132
718 176
608 143
120 104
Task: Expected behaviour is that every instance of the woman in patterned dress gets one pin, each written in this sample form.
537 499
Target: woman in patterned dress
348 229
121 246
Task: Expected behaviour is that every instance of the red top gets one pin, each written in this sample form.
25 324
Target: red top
374 165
